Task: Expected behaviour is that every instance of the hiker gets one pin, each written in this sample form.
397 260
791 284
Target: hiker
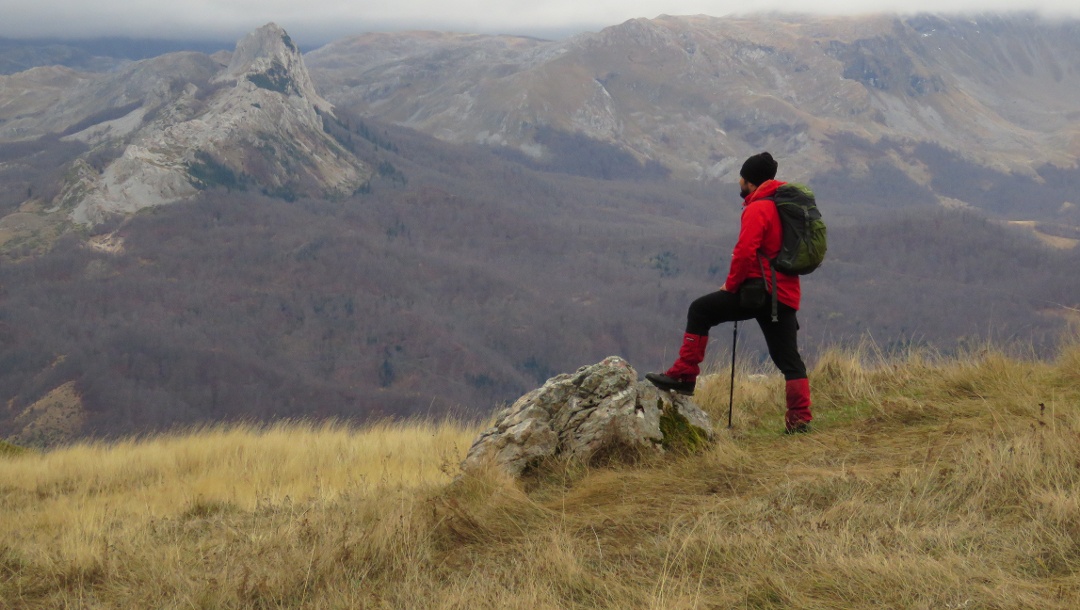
744 296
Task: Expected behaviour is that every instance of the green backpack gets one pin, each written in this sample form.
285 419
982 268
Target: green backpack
803 242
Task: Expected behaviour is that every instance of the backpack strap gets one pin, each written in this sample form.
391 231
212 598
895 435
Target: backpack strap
772 268
775 288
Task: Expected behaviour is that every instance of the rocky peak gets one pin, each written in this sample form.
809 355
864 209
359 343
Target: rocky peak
268 59
262 47
253 124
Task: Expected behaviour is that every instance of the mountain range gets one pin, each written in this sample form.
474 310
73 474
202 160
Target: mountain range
430 222
698 94
908 102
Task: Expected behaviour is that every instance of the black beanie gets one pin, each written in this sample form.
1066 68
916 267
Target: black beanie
759 168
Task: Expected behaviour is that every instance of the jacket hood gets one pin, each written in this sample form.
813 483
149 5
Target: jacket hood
764 191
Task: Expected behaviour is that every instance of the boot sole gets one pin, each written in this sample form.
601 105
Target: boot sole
669 388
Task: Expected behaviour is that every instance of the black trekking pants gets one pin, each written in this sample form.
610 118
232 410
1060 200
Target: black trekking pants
780 336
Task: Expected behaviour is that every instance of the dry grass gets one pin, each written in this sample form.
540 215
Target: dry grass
928 483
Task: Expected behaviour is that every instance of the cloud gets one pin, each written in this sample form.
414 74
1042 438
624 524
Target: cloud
218 19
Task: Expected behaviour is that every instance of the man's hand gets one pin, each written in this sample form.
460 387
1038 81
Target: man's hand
724 288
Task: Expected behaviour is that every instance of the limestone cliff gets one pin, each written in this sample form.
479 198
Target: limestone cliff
185 122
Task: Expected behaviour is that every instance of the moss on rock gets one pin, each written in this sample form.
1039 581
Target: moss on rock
679 434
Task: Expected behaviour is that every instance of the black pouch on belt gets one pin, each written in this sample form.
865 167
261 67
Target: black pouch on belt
753 293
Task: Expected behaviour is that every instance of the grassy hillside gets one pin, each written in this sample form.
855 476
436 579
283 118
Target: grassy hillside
928 483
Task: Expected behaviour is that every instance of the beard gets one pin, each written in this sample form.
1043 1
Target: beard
744 192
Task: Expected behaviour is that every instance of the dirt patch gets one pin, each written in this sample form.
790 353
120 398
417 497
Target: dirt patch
111 243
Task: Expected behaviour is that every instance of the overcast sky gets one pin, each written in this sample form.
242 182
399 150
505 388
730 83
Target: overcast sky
317 21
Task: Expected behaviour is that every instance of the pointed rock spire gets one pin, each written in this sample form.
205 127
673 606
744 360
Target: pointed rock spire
259 127
269 59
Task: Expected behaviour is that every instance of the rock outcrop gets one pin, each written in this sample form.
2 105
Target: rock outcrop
599 410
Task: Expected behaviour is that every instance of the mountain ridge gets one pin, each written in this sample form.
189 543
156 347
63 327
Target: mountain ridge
699 93
690 96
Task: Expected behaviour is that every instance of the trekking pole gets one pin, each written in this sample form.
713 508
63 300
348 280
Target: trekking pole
731 395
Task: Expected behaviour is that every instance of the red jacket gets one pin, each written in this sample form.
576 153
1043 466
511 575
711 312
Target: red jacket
760 231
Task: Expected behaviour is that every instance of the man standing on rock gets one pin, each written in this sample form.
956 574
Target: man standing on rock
759 242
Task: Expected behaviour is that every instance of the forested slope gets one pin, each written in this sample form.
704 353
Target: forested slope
455 281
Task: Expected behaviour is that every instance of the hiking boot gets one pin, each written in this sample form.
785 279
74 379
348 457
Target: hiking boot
799 428
671 384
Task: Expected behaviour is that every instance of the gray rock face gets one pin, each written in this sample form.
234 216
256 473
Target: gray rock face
160 130
581 415
257 121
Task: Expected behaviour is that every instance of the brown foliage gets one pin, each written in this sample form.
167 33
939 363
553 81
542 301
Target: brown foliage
459 280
